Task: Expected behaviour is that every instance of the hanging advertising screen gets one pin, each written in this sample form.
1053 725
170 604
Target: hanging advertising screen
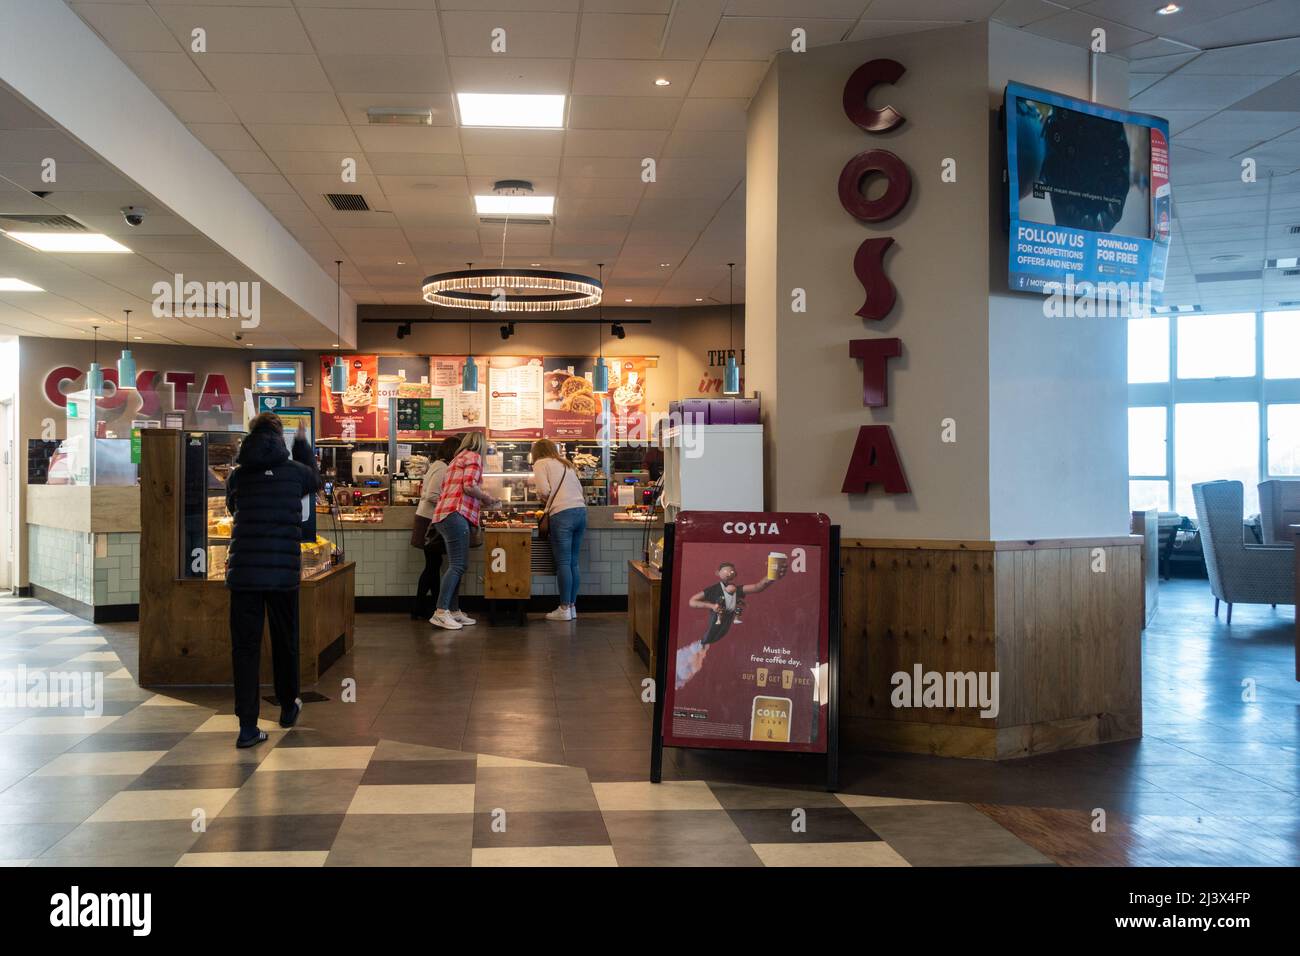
748 633
1089 194
515 396
461 411
570 408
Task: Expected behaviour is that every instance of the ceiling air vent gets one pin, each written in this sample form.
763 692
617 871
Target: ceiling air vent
66 223
1295 230
1291 273
348 202
1243 275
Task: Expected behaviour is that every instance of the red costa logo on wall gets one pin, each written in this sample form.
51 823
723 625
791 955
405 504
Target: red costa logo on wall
214 396
875 457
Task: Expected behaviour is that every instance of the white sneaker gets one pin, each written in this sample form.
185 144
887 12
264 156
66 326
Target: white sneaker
442 618
462 618
573 612
560 614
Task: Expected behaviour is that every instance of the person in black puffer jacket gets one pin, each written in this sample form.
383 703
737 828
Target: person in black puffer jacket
265 493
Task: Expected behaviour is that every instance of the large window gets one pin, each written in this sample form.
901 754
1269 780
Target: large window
1284 441
1210 397
1282 333
1213 441
1216 346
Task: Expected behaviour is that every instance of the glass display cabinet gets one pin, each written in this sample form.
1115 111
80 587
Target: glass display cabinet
206 524
206 462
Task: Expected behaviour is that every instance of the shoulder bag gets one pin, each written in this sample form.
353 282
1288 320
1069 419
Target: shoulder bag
544 522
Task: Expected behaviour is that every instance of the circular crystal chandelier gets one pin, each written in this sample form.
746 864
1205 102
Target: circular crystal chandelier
512 290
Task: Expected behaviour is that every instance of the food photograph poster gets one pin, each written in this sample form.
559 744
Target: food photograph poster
748 632
570 407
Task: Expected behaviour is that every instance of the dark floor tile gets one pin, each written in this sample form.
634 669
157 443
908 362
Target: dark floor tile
949 835
403 839
25 841
149 842
821 825
194 777
669 828
281 832
685 855
540 828
114 743
419 771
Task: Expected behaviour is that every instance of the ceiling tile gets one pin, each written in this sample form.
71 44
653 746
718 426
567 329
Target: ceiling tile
470 74
613 36
233 72
623 112
236 29
758 38
380 32
546 35
604 77
408 139
374 73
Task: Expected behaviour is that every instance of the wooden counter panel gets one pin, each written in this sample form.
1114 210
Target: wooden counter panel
1063 638
185 624
507 563
101 510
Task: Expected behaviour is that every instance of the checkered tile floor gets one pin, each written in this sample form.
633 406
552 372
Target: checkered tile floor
156 781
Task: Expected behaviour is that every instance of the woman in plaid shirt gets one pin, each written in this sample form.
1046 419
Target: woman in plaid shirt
459 501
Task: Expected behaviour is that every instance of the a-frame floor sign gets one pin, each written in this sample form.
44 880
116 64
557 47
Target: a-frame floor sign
749 636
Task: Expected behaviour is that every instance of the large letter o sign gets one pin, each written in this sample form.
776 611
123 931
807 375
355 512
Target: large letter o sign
895 197
864 79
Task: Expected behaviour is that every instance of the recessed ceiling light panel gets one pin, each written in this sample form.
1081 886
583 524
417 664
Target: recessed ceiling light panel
512 110
68 241
18 285
514 205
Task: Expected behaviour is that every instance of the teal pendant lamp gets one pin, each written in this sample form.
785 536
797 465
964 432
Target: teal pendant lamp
126 363
469 371
600 374
731 372
95 374
339 370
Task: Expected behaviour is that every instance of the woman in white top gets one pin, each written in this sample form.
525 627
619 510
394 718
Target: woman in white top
558 486
421 537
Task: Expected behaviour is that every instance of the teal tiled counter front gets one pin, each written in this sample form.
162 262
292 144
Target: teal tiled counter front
85 572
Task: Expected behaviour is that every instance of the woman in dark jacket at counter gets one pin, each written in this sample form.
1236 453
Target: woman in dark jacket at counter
303 454
265 494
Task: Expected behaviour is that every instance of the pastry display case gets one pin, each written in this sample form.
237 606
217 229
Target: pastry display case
206 462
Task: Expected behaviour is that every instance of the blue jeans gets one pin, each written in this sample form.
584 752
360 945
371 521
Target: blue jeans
567 529
455 535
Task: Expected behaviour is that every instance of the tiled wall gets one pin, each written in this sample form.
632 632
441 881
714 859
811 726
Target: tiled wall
117 568
95 569
388 565
62 561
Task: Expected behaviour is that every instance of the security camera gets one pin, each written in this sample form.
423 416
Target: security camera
134 215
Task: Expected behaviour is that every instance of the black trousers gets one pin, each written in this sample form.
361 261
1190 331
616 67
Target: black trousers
247 609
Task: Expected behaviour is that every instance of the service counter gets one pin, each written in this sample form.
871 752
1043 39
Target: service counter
83 549
388 568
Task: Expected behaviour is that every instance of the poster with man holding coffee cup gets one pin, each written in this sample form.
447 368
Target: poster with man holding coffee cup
748 660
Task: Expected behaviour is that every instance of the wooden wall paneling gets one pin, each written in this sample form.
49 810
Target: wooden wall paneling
854 643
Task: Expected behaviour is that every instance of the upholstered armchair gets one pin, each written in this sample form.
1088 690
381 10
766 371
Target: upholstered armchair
1240 573
1279 507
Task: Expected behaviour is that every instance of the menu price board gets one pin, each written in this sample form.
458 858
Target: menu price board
461 411
515 396
748 662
